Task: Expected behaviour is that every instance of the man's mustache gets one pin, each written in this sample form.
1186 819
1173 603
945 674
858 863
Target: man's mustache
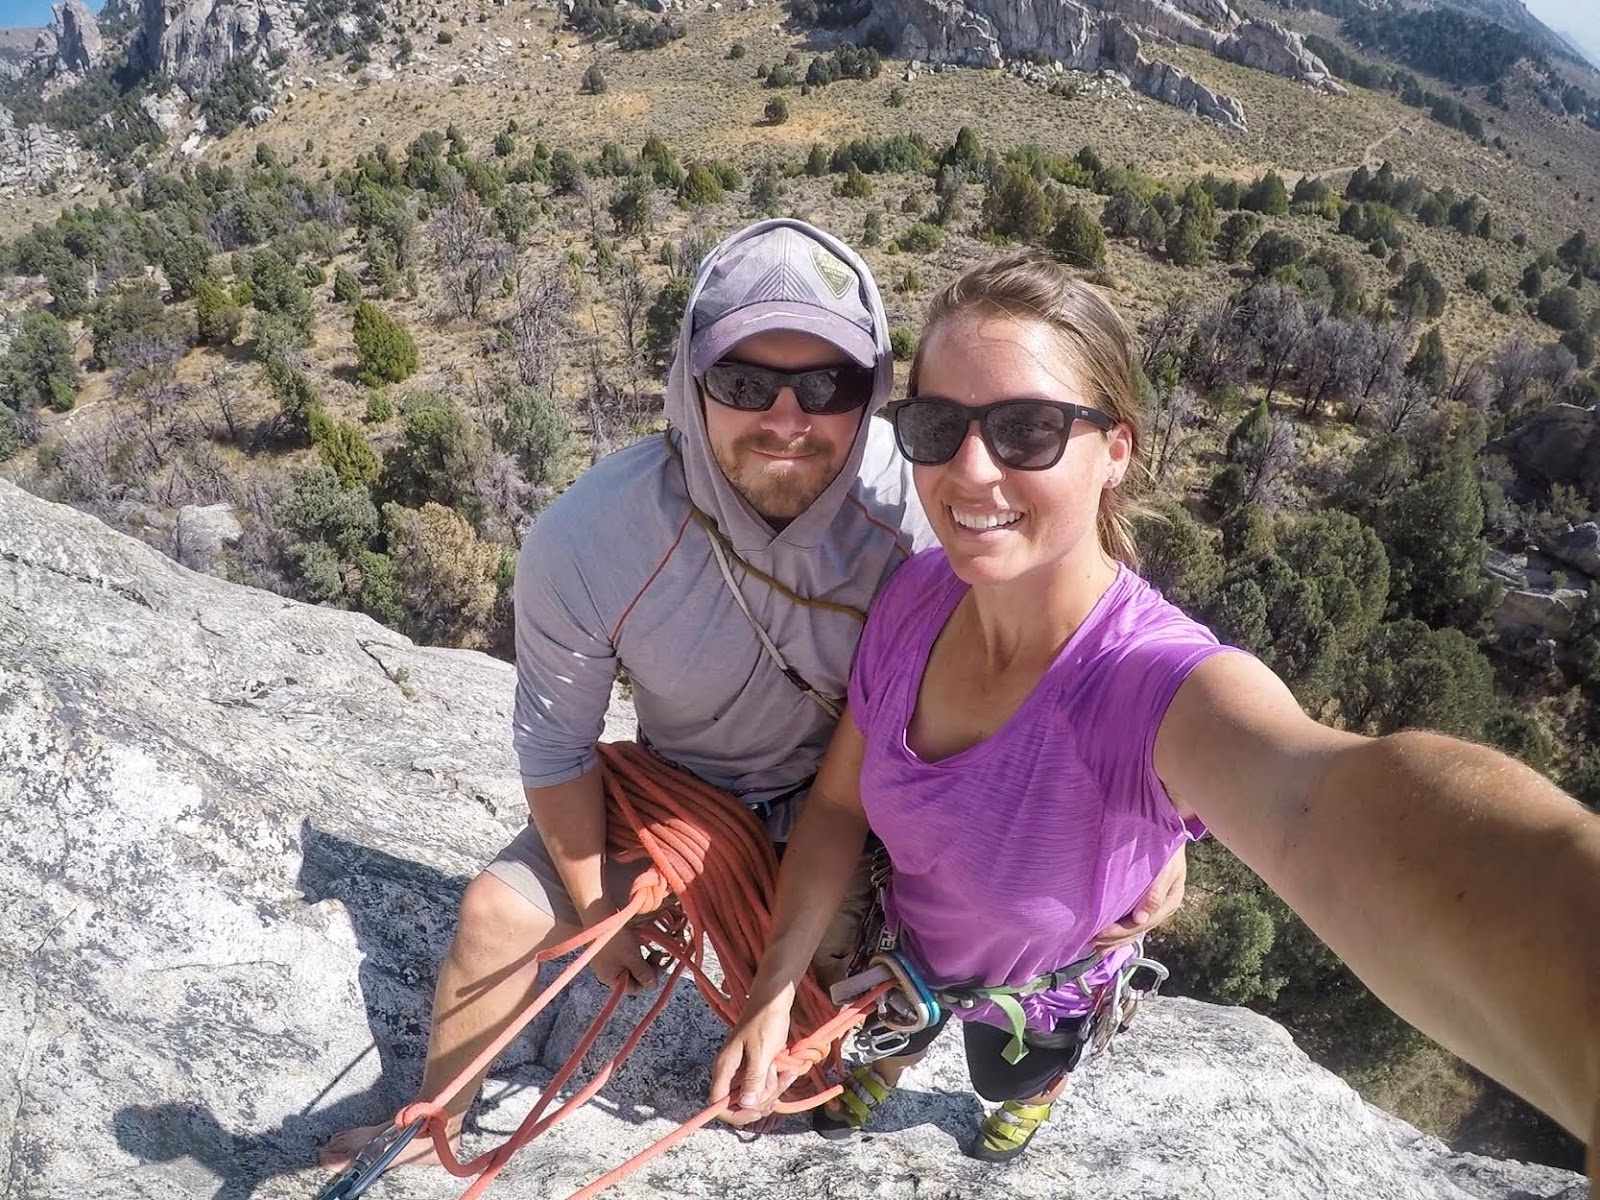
788 449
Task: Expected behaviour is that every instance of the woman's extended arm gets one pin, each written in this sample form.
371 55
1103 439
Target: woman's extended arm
1462 887
822 853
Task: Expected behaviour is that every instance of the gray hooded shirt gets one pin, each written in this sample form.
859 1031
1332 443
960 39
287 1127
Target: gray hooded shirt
618 574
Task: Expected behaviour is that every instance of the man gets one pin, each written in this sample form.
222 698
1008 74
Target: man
727 569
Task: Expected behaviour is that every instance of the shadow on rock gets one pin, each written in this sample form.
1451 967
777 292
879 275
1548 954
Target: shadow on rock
170 1132
403 913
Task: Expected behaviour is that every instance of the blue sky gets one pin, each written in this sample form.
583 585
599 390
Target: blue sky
31 12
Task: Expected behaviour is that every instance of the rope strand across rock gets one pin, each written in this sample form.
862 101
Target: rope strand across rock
712 879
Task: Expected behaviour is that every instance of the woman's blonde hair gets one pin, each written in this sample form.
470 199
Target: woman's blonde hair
1028 286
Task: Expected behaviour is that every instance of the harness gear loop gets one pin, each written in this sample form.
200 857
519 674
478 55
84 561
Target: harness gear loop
709 853
910 1005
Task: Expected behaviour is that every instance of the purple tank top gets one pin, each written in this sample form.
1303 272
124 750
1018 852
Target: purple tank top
1011 855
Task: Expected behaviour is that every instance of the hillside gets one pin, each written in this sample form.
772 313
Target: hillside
1369 337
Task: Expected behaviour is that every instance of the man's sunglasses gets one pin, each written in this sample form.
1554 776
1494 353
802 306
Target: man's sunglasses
827 391
1024 435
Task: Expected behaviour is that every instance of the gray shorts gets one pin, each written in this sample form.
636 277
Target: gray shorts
525 867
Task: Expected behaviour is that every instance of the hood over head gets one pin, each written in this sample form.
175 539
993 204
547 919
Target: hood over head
776 274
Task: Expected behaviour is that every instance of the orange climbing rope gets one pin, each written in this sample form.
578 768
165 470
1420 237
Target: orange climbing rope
708 853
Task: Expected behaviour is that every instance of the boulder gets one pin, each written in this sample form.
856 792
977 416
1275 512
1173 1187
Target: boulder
202 532
258 116
1579 547
235 831
1560 444
165 112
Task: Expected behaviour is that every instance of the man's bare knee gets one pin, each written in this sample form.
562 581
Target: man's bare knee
497 925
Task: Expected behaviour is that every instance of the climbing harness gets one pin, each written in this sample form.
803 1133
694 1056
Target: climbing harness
709 854
910 1005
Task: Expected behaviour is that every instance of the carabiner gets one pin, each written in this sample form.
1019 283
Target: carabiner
370 1162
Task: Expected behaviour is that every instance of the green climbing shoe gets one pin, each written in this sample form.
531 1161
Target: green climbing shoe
864 1090
1006 1132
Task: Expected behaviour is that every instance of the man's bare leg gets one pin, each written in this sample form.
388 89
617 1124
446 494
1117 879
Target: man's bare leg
487 977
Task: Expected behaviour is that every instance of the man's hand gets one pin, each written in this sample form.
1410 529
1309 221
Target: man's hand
1163 898
745 1070
623 957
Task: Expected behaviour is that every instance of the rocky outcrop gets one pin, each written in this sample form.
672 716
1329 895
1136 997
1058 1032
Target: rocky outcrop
1095 34
233 831
193 41
1267 46
1540 598
33 155
1165 82
1561 444
79 46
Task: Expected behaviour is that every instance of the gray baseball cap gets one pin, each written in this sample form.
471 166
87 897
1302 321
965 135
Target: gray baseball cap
781 279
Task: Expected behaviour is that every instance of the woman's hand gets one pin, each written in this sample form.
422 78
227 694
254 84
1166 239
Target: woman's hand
745 1069
1161 899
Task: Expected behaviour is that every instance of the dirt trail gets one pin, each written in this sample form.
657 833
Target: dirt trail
1368 158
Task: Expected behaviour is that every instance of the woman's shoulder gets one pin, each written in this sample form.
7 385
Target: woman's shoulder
1136 633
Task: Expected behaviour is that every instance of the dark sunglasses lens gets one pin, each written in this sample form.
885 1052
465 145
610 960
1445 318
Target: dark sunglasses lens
1028 437
930 431
738 386
835 390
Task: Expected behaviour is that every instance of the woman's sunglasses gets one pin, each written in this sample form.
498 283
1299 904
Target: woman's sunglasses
1024 435
827 391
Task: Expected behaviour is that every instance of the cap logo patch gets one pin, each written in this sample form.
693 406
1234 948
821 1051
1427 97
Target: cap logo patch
834 273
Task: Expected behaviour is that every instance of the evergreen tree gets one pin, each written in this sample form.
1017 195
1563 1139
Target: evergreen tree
385 352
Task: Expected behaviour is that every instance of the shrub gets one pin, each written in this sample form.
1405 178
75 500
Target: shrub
217 318
1078 239
594 81
776 111
385 352
448 578
38 371
700 186
379 407
921 238
346 287
1562 308
185 261
855 185
535 431
902 342
345 452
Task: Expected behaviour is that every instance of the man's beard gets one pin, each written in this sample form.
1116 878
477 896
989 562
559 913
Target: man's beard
779 494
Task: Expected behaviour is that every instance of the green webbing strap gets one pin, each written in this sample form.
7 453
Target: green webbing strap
1006 999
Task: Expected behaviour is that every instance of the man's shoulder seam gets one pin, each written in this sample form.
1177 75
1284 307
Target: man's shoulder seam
616 632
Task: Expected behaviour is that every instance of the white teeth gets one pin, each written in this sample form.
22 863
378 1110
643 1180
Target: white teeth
985 521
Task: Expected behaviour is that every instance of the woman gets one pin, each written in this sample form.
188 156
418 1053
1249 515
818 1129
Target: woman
1032 730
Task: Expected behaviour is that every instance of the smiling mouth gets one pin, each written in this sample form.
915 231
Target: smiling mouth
984 522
